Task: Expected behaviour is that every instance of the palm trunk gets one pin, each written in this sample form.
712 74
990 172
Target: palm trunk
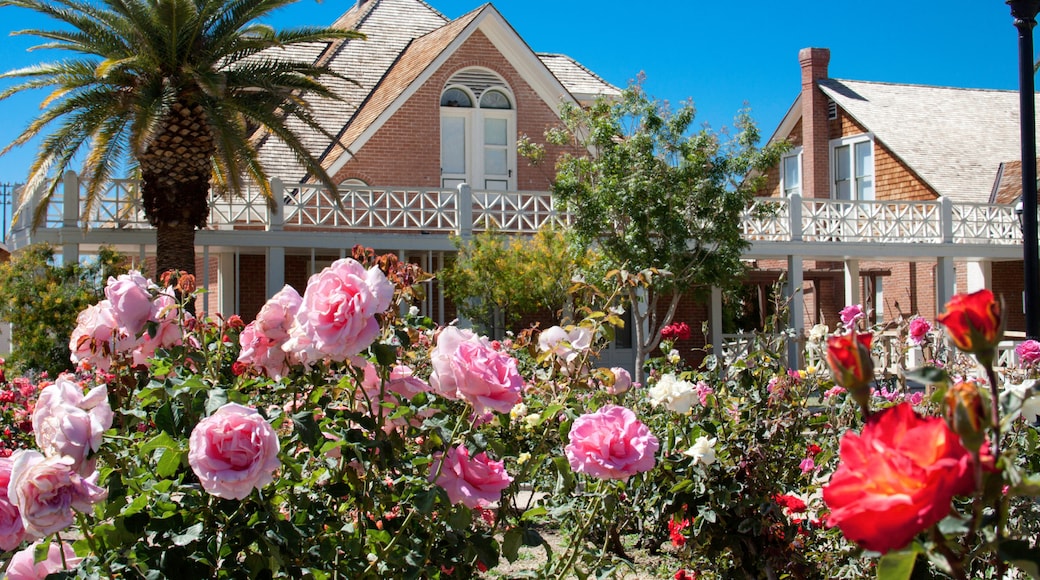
175 248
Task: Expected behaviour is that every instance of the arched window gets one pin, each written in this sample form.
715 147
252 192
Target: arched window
478 144
456 97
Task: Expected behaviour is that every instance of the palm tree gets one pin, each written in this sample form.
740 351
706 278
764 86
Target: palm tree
184 89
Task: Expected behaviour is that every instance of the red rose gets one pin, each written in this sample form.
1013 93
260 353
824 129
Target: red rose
896 478
973 321
848 355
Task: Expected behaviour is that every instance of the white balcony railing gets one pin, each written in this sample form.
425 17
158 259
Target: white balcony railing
793 219
826 220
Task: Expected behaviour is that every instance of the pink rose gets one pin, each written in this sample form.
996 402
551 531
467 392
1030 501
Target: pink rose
168 332
46 490
12 532
850 314
467 367
263 338
276 317
1028 352
919 329
67 422
97 336
566 345
610 444
622 381
400 381
23 565
476 482
233 451
131 300
261 352
337 317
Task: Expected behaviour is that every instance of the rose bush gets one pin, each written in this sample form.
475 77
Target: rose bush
417 451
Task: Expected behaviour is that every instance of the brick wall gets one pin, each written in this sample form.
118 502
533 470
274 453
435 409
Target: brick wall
406 149
1008 283
252 284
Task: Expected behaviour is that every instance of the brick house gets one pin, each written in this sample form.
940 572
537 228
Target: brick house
426 149
897 153
427 132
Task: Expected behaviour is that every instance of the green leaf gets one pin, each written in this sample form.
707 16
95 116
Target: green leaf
1019 553
386 354
160 441
304 423
169 463
216 399
896 565
533 513
190 535
41 550
511 543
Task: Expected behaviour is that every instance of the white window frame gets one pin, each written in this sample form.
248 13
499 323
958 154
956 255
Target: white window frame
474 145
851 143
796 154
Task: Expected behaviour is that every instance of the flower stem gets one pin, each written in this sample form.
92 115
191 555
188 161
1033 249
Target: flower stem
995 427
578 539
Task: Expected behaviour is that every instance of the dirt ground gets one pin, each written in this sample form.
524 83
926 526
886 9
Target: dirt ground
643 566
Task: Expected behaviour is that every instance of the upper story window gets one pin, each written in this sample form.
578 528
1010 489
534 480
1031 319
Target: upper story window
456 97
791 172
852 168
478 143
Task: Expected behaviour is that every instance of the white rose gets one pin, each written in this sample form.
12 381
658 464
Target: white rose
703 450
673 394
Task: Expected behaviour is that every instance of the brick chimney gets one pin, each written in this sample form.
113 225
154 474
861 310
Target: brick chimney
815 134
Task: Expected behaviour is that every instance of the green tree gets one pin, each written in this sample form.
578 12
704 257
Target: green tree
658 200
184 88
511 276
43 301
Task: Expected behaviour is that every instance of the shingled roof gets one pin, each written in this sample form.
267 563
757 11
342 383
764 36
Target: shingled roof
953 139
404 37
584 84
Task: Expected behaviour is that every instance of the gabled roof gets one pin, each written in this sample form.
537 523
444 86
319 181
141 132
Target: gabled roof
582 83
406 41
424 56
415 59
953 139
390 25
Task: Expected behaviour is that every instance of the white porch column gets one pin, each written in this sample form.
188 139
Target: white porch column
796 316
945 282
852 294
275 269
226 283
980 275
715 322
276 214
464 207
70 217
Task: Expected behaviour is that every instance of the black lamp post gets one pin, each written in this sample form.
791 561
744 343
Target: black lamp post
1024 12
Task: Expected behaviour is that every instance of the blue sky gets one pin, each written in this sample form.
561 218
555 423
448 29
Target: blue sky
720 54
